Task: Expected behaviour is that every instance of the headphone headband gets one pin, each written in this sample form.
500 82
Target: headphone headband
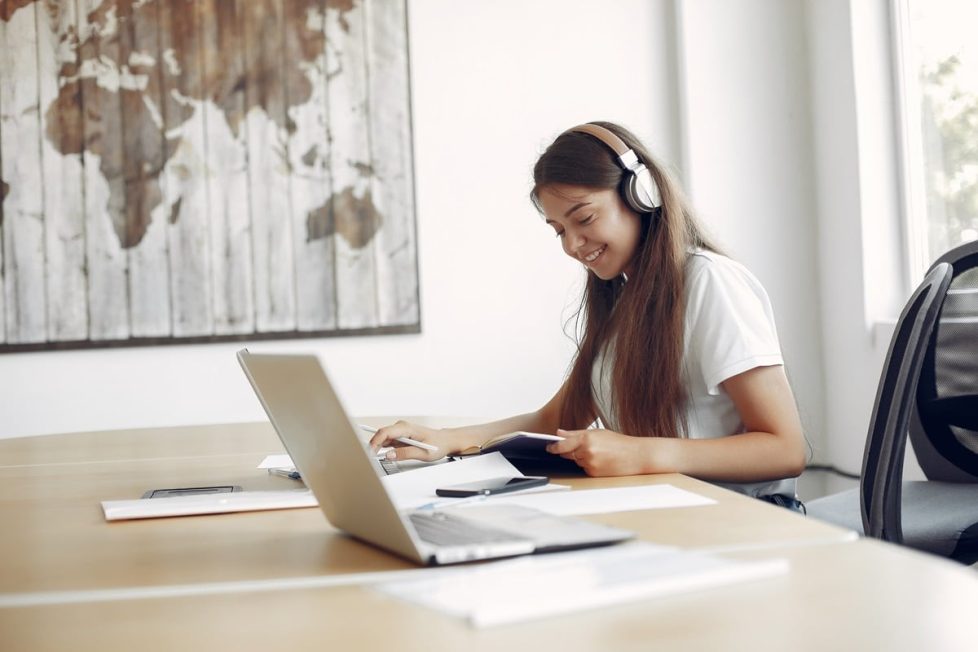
638 187
606 136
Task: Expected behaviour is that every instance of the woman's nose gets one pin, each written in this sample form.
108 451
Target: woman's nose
573 242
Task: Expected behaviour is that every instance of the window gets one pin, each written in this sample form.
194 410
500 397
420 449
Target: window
936 55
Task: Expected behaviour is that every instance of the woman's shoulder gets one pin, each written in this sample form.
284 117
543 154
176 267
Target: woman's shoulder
705 267
701 261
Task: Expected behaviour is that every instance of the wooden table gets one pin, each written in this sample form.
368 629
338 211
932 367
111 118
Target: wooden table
282 578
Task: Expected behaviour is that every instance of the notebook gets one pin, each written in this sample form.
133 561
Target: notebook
342 473
528 452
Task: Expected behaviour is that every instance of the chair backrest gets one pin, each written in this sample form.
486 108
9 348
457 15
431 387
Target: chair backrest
882 474
944 419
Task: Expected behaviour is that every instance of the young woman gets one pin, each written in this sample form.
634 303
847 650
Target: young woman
678 359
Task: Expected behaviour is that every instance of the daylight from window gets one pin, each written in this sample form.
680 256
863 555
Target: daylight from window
943 56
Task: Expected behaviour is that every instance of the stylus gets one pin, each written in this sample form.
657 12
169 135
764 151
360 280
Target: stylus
405 440
285 473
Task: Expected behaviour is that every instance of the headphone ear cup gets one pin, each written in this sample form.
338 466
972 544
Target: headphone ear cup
639 191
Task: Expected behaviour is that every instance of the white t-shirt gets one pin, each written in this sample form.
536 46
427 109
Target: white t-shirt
729 328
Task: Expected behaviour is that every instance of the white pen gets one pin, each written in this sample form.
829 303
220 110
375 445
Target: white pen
405 440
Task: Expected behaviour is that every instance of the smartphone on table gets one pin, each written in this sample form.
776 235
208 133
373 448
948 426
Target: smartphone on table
491 486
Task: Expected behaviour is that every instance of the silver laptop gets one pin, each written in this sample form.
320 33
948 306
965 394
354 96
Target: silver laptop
341 471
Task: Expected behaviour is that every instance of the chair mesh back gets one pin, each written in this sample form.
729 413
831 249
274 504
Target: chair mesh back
944 425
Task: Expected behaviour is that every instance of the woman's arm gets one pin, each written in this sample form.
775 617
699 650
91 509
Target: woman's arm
773 446
453 440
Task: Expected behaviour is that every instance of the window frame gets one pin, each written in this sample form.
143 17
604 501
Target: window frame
910 146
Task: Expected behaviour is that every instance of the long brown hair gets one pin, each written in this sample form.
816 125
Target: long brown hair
642 317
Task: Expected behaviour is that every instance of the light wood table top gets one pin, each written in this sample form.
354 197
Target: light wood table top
839 592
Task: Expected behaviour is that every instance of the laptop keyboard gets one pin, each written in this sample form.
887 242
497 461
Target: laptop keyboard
390 467
442 529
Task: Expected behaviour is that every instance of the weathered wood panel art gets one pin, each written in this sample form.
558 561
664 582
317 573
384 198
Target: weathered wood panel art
197 170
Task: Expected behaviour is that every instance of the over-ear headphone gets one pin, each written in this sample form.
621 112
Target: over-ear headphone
637 186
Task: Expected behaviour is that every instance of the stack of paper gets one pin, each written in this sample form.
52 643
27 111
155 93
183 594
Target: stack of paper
545 585
223 503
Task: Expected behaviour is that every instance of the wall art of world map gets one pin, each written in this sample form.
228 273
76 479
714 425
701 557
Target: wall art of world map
200 170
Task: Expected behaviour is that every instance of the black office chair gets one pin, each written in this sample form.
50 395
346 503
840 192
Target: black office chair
944 419
937 517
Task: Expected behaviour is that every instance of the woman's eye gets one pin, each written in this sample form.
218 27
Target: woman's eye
587 220
559 234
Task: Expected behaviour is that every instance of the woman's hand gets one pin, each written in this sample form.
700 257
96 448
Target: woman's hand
772 448
447 443
605 452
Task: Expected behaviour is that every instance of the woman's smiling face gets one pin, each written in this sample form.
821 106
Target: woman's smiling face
595 227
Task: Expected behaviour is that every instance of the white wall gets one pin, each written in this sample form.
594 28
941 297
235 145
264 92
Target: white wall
748 148
492 84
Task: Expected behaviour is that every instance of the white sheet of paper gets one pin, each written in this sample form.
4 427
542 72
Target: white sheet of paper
574 581
282 461
237 501
603 501
417 487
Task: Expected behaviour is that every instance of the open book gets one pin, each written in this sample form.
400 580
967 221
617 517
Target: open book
526 450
